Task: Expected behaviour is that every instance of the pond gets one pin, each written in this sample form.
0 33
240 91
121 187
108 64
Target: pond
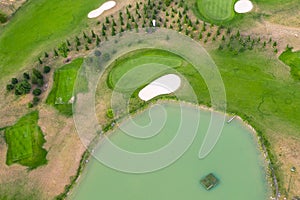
235 160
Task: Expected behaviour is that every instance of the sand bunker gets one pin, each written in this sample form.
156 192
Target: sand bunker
163 85
106 6
243 6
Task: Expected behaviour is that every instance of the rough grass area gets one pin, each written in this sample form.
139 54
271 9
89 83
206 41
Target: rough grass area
63 84
216 10
25 142
40 26
292 59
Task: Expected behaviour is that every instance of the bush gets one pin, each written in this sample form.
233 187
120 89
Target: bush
3 18
37 73
35 100
29 105
23 87
47 69
110 114
37 92
14 81
26 76
9 87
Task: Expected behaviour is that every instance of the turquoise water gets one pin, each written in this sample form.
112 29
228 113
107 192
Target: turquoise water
235 160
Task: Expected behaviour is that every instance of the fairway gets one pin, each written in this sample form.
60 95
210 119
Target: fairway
25 142
217 10
40 26
62 90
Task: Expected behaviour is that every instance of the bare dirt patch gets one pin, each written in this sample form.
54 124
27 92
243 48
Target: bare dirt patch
9 7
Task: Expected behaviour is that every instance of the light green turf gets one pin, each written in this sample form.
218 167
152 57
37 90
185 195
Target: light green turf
292 59
25 142
38 26
216 10
148 61
62 90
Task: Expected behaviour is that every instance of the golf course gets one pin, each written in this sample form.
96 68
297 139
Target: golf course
139 99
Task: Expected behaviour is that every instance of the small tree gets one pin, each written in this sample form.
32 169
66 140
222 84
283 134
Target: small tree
37 92
26 76
63 50
110 114
9 87
35 100
22 87
55 52
47 69
46 55
68 43
40 61
14 81
93 34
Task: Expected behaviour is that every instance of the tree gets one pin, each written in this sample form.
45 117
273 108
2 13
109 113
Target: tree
87 47
37 73
47 69
14 81
35 100
55 52
110 114
46 55
63 50
89 40
26 76
37 92
3 18
223 38
93 34
200 36
40 61
238 34
97 40
168 2
68 43
9 87
84 35
275 44
23 87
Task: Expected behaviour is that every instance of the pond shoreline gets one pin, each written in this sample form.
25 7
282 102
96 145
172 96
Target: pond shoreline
267 164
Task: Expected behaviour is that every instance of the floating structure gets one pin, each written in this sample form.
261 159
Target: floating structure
209 181
230 120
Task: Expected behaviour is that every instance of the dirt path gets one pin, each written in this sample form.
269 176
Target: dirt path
282 34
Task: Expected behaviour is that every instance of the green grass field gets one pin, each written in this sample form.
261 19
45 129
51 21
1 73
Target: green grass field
216 11
63 84
25 142
292 59
40 26
148 62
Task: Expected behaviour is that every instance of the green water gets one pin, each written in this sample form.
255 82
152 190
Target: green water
235 160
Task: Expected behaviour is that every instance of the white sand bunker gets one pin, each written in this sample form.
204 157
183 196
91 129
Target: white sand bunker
243 6
106 6
163 85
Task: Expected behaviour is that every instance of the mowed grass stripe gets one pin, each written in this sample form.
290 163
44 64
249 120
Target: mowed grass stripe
40 26
63 86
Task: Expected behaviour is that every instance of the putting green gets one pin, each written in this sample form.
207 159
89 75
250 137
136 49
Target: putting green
141 67
62 90
25 142
217 10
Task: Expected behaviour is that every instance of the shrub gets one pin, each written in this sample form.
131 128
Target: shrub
37 73
23 87
29 105
35 100
26 76
3 18
63 50
47 69
14 81
110 114
9 87
37 92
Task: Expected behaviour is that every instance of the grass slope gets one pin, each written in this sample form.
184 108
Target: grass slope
25 142
40 26
63 85
292 59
